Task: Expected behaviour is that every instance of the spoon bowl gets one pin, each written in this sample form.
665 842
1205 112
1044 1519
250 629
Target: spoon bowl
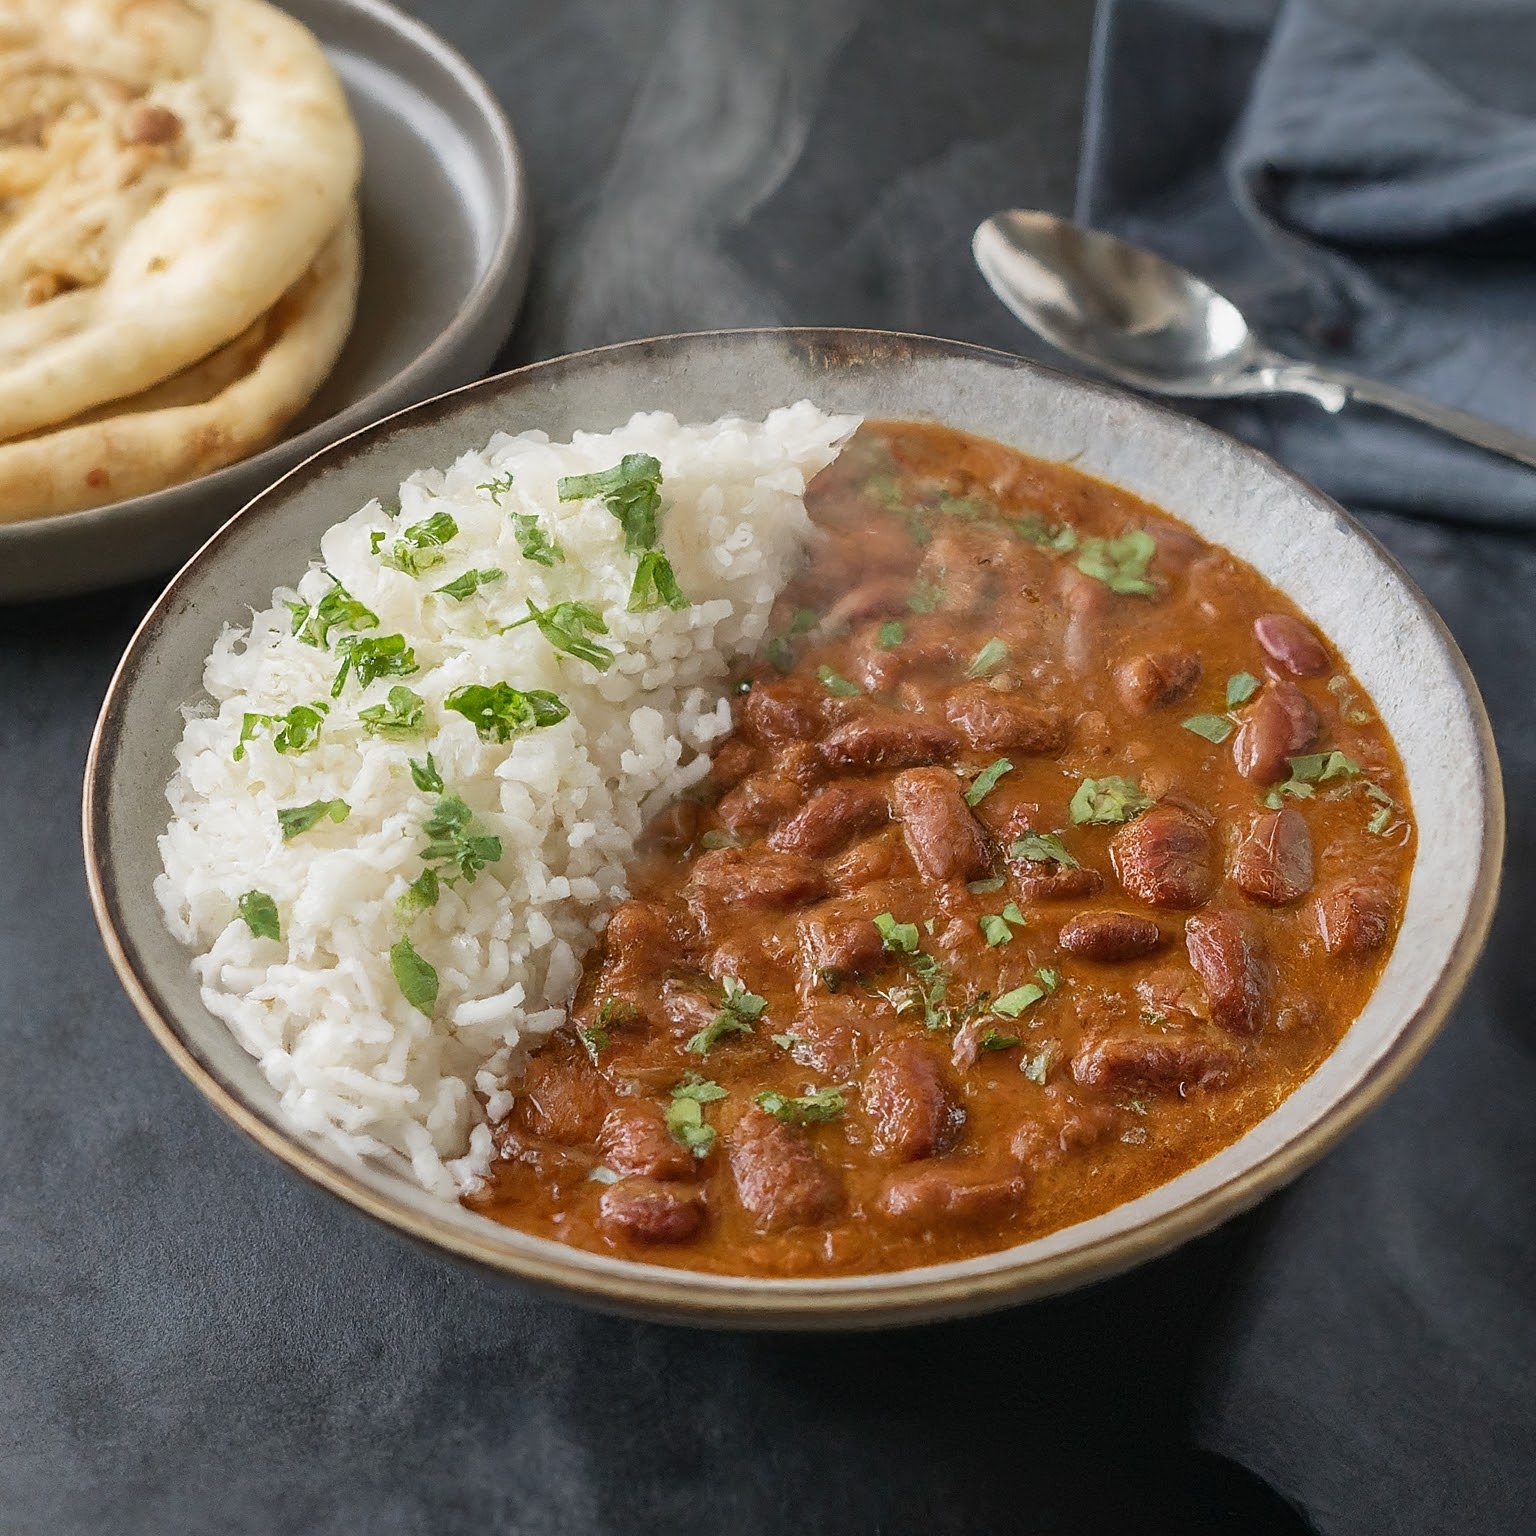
1114 306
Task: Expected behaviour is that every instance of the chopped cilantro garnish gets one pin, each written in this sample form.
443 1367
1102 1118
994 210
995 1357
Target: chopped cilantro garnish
986 781
595 1038
419 547
813 1108
500 711
416 978
994 929
465 586
1107 802
655 585
260 914
1214 728
402 715
452 844
294 819
1308 771
1043 848
738 1013
630 490
535 544
1012 1004
890 635
1059 538
1241 687
497 488
992 1040
1049 979
925 596
899 938
338 609
296 731
834 682
685 1114
987 886
419 895
1121 564
372 657
569 627
425 776
988 659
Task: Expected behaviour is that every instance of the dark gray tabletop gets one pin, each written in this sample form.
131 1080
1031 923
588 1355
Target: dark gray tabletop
190 1340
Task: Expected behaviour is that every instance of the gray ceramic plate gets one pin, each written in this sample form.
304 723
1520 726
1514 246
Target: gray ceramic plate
1229 493
446 241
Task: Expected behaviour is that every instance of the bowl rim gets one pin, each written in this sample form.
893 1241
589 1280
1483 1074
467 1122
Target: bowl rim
903 1296
505 265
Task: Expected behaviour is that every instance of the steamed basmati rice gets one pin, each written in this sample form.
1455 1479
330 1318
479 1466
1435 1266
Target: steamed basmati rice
320 1008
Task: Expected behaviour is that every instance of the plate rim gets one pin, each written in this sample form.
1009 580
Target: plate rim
505 269
634 1288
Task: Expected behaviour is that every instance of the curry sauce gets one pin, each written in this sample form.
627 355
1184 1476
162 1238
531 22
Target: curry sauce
1051 850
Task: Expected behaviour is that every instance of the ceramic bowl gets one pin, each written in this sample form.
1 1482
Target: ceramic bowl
1229 493
446 242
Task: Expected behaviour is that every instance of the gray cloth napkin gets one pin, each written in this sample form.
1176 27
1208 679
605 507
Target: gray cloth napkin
1362 178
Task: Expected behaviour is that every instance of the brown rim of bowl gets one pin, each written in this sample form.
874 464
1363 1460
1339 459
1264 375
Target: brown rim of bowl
639 1289
507 263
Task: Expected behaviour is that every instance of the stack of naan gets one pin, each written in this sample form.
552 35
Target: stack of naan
178 241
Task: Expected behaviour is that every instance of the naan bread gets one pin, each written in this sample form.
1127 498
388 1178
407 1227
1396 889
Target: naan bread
168 170
232 404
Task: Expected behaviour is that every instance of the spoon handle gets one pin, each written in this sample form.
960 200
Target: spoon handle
1333 389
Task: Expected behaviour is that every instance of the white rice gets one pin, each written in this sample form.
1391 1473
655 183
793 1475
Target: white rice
354 1063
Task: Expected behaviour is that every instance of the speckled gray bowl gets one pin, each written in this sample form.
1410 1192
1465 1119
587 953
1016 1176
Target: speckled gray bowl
1231 494
446 242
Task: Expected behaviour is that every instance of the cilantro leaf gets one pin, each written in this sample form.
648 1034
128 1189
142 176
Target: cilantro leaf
1121 564
425 776
371 658
685 1114
988 659
1214 728
402 715
338 609
738 1013
500 712
1043 848
497 488
655 585
419 548
260 914
899 938
836 683
416 978
1011 1004
986 781
296 731
569 627
630 490
890 635
294 819
452 842
925 596
986 887
993 1041
465 586
813 1108
532 540
1107 802
419 895
1059 538
1241 687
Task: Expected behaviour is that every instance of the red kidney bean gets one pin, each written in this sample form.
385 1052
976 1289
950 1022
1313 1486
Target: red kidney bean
1110 936
907 1095
779 1179
835 816
652 1212
1291 645
1277 726
941 834
1148 682
1165 858
1273 863
1156 1061
1226 961
1354 916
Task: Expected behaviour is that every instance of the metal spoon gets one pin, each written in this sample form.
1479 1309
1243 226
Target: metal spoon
1146 322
